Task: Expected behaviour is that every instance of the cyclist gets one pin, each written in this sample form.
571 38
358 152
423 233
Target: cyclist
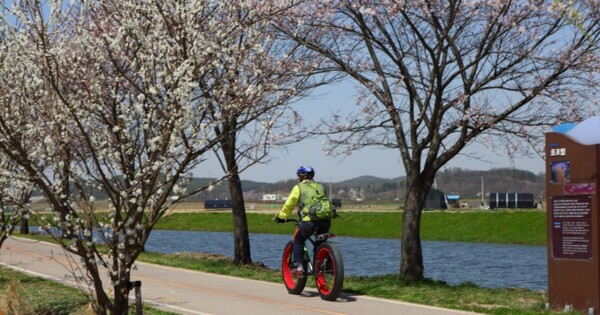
306 226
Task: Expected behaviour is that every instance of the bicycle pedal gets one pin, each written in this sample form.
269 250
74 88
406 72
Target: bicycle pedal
297 273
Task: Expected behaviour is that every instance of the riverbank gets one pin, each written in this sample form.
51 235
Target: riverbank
526 227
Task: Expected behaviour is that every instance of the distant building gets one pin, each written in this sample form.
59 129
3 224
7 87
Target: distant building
356 194
511 200
436 199
217 204
269 197
453 200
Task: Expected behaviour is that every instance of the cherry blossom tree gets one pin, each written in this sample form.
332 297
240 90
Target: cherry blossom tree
16 187
119 97
270 73
14 200
440 75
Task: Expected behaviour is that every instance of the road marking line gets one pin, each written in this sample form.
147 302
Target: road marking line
240 295
30 253
173 307
33 273
417 305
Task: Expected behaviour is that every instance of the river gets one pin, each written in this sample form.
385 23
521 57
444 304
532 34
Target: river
486 265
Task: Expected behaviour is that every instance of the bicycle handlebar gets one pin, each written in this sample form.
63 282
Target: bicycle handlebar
278 220
321 237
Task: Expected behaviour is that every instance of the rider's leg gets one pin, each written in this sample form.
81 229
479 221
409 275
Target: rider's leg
322 226
304 230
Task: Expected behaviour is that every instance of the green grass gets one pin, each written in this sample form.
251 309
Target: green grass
33 294
514 227
526 227
466 296
39 296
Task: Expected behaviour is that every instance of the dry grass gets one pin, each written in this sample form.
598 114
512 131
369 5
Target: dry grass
203 256
13 303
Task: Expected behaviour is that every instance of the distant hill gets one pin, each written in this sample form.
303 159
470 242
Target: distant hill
466 183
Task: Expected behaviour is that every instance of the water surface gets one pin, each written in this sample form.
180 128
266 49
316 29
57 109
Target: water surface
486 265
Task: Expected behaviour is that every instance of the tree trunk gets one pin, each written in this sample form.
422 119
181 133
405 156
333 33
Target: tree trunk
122 298
103 303
241 239
3 233
411 261
25 226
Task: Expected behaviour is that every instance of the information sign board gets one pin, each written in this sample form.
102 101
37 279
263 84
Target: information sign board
572 227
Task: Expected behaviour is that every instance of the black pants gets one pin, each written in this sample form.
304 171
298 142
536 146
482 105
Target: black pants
305 230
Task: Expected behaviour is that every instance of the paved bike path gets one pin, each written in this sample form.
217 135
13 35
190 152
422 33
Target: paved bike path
192 292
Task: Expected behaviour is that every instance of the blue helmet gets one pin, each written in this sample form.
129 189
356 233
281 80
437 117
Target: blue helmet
306 171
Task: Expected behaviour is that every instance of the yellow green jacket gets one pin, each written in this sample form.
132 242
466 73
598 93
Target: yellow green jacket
294 199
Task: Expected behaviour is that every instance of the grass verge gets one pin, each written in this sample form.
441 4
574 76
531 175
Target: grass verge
508 227
23 294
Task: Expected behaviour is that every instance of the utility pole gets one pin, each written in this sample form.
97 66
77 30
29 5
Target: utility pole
482 192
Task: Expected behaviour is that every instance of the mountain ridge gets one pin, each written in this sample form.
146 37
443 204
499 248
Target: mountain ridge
463 182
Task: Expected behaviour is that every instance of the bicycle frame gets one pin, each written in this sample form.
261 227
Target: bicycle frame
316 241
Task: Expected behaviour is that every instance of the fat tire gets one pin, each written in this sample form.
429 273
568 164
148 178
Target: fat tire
294 285
329 271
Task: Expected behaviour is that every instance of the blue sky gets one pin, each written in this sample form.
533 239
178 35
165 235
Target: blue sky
375 162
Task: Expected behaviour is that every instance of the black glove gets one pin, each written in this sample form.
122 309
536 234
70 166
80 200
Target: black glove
279 220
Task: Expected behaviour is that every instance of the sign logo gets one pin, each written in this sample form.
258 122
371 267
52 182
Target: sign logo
558 152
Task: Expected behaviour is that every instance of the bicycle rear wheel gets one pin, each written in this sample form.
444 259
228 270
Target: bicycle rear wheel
329 271
294 284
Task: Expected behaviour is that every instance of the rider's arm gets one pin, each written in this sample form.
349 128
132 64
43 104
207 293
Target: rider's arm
290 203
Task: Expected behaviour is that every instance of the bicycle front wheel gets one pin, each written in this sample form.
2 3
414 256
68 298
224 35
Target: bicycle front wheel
329 271
294 284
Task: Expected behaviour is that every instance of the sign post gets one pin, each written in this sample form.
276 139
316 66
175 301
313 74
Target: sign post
572 179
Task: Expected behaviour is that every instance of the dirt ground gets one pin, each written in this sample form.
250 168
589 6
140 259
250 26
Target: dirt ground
273 207
252 207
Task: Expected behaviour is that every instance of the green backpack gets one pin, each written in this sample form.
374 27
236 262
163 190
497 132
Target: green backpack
319 207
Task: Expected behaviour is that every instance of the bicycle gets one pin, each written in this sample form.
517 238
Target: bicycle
326 266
